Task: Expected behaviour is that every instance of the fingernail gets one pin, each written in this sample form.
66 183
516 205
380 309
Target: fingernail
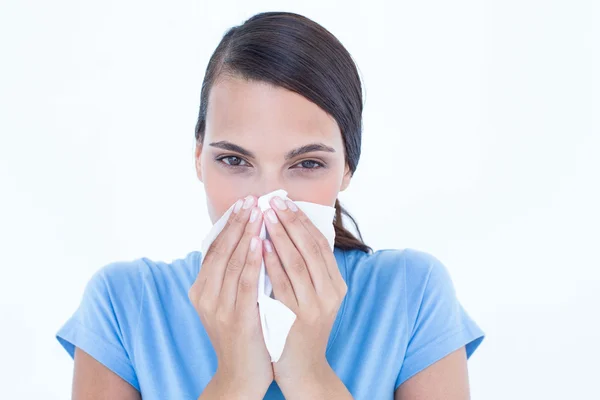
271 215
253 243
292 205
268 246
279 203
238 205
248 202
254 214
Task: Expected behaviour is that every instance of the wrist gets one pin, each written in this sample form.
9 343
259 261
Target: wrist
235 389
321 383
307 383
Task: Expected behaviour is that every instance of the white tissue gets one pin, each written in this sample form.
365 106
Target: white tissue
276 319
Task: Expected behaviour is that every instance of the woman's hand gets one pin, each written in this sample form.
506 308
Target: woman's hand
225 297
309 283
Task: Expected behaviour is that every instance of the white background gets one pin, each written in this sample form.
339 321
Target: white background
480 145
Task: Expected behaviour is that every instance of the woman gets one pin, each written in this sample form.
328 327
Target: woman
281 107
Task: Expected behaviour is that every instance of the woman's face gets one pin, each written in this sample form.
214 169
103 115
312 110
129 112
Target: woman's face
252 132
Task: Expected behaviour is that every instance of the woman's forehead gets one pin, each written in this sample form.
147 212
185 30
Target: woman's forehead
238 107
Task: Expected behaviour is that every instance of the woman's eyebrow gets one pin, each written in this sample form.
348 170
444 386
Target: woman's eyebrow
307 148
225 145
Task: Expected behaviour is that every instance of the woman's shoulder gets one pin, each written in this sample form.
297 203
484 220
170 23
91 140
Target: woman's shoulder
106 322
407 263
134 272
119 289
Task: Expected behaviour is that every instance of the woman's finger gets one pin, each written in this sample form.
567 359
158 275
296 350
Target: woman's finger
290 216
293 262
220 251
237 261
247 286
282 286
321 241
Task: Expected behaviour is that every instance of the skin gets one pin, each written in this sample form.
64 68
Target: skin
269 122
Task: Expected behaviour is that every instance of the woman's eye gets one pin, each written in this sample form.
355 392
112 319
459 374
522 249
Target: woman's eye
238 162
234 161
310 164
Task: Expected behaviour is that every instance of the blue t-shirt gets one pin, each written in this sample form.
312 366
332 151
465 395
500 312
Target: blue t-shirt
400 315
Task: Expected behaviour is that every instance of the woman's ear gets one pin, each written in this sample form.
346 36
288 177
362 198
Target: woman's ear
346 179
198 160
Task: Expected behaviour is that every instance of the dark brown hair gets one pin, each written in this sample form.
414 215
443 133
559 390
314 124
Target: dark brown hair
291 51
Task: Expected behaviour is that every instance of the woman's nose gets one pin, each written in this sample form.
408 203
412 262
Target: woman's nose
269 187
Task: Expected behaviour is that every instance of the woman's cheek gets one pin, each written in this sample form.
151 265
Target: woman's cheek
315 191
222 191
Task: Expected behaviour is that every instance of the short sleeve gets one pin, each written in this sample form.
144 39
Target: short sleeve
103 323
441 324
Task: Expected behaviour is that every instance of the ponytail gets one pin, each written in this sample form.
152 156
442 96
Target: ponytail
344 239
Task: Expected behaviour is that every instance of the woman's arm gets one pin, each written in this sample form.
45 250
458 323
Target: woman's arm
93 381
446 379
